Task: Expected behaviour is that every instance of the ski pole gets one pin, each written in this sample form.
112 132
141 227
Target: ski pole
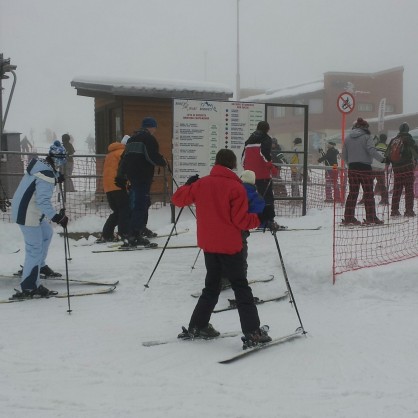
162 252
66 239
66 269
198 253
177 185
292 298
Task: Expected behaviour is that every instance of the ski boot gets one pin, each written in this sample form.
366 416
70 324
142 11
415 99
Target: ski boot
48 272
39 292
259 336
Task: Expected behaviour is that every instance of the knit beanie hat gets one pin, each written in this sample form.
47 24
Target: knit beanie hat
361 123
149 123
125 139
58 153
248 176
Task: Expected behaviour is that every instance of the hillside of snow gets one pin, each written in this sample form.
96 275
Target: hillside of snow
357 360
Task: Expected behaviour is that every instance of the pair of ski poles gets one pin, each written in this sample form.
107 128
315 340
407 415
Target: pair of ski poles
274 233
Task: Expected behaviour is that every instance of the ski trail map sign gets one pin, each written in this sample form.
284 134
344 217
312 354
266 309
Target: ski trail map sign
202 127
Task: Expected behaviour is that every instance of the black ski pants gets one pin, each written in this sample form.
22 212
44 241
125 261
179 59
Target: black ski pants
231 266
265 189
119 204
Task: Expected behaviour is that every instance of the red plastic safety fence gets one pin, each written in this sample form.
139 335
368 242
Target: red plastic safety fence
361 241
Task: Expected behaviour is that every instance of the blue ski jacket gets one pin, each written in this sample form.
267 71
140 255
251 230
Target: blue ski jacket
32 199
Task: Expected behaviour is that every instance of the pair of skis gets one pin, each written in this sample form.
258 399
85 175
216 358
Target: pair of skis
140 248
275 341
108 287
119 242
62 279
285 228
63 295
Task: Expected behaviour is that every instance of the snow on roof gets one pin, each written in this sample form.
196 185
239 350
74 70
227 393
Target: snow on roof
304 88
148 87
394 116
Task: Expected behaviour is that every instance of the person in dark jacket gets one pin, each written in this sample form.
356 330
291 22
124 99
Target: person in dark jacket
137 165
30 210
68 167
330 159
257 158
277 157
222 213
403 171
358 152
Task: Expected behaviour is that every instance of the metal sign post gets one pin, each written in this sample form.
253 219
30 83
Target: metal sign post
345 104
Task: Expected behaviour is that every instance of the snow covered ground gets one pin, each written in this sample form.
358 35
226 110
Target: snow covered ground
358 359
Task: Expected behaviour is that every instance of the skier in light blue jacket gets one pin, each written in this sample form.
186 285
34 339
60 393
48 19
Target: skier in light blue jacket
31 207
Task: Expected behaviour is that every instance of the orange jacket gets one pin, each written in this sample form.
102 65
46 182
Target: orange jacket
110 167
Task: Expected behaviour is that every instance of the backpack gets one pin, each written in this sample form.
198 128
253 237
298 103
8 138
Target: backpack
396 149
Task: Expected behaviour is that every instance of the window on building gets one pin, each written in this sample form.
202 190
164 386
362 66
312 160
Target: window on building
299 111
316 106
390 108
279 112
365 107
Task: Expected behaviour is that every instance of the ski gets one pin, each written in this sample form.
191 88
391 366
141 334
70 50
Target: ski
228 286
90 244
366 225
154 247
86 282
117 244
275 341
172 340
60 278
64 295
285 228
233 303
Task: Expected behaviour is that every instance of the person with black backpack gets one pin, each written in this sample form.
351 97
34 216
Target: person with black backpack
137 164
402 153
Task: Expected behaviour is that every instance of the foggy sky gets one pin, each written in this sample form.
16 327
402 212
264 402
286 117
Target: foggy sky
282 43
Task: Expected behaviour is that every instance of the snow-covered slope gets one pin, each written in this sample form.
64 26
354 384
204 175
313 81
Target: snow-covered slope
357 360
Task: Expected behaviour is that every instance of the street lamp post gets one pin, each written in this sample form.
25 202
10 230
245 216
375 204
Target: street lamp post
238 87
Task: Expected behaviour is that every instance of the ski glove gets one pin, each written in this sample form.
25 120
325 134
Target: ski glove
60 218
120 182
192 179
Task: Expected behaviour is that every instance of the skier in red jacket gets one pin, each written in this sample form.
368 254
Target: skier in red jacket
222 213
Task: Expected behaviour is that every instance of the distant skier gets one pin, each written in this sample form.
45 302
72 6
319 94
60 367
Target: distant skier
330 159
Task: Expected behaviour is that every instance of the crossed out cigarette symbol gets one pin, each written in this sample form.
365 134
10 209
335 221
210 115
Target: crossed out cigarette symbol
346 103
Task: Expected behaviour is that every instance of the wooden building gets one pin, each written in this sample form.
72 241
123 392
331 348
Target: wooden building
121 104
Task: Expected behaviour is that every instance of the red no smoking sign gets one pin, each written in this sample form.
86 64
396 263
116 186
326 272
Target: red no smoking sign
345 103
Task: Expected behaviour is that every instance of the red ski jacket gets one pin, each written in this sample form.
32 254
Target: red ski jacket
254 160
221 210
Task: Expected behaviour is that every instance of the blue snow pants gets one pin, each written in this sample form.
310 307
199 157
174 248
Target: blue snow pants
37 240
